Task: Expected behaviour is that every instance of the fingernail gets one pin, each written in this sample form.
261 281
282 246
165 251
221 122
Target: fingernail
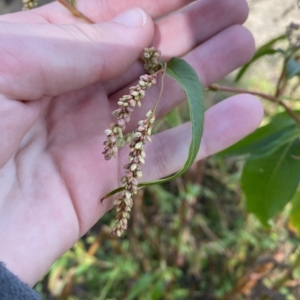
134 17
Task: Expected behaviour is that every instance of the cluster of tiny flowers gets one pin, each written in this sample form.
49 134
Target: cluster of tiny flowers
29 4
293 34
127 139
127 104
151 60
133 169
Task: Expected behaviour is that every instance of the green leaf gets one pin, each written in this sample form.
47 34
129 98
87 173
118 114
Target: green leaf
144 282
73 2
270 182
158 291
277 140
294 217
292 68
185 75
265 139
173 118
262 51
268 144
272 42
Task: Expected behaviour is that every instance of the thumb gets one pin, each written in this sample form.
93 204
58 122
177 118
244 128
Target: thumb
48 59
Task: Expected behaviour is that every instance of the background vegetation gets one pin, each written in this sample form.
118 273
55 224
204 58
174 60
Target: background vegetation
193 238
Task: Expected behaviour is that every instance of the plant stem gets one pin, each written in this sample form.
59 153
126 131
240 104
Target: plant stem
75 11
216 87
281 81
162 86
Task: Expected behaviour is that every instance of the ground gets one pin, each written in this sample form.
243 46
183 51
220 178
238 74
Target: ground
269 18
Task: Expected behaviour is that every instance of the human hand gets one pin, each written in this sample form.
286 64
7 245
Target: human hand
60 80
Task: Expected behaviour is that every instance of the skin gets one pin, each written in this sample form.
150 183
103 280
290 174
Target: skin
59 82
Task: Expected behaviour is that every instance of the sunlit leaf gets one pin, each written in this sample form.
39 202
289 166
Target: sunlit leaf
262 51
272 42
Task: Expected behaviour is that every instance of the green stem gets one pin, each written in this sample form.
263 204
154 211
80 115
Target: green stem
161 88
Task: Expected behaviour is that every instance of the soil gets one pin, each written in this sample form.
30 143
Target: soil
269 18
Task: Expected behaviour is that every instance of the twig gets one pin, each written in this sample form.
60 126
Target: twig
75 11
162 86
216 87
280 86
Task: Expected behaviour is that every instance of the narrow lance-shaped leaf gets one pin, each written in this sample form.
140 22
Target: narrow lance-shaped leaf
270 182
262 51
184 74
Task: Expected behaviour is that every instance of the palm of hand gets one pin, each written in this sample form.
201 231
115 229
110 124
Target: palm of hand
61 172
53 171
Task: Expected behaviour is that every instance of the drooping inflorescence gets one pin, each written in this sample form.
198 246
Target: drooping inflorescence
133 169
152 61
293 35
127 104
29 4
141 135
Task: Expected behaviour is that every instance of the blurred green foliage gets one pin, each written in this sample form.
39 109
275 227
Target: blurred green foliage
271 173
188 239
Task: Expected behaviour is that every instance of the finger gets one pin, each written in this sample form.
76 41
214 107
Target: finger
101 11
212 60
16 119
68 57
224 124
182 31
196 24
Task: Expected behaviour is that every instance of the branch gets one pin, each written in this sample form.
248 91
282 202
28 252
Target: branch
75 11
280 84
216 87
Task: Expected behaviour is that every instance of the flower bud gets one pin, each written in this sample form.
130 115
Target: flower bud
137 134
108 131
132 103
133 167
138 145
141 160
